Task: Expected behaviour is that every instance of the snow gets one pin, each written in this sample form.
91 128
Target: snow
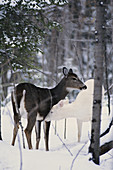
60 155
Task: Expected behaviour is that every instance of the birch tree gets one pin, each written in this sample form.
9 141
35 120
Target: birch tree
98 79
0 105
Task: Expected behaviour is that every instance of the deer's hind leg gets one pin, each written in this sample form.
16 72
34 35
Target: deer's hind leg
16 127
15 130
29 128
38 131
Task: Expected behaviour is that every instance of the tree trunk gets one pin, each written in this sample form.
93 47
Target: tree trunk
0 109
0 121
98 79
112 32
4 80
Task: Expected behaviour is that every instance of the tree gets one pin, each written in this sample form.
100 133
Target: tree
98 79
0 106
23 26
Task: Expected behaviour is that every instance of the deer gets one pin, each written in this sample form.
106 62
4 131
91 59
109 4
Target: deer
80 108
35 103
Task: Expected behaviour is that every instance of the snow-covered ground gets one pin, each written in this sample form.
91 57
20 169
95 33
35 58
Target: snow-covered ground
62 156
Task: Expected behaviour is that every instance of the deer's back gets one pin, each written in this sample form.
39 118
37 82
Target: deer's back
33 99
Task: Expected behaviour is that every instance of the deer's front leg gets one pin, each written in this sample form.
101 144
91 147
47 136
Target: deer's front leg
79 124
38 131
46 134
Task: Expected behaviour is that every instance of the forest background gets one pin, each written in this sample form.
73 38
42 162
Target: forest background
38 38
44 38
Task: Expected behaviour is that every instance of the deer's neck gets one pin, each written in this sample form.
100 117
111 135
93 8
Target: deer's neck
59 92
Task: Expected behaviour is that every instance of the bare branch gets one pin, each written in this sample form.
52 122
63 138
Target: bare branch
78 154
106 147
62 141
108 129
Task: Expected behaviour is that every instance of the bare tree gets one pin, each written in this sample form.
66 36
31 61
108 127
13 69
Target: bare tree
0 103
0 120
99 58
112 34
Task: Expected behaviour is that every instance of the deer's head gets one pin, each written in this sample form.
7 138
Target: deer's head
72 80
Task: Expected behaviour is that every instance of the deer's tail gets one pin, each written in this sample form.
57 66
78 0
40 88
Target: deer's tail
15 110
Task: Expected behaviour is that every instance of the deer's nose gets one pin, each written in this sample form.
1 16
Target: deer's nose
84 87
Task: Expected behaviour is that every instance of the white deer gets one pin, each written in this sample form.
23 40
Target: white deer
81 108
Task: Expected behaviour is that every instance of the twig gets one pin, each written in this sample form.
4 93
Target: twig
62 141
106 147
108 129
20 123
33 67
77 155
19 143
107 87
20 149
111 86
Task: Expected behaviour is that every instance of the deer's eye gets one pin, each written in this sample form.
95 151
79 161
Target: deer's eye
74 78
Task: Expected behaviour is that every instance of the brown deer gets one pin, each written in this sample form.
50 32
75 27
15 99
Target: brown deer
35 103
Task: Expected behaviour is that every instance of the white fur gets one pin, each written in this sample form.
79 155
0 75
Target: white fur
39 117
23 111
81 108
15 100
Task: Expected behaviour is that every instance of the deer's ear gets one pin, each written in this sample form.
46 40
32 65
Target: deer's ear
65 71
61 103
70 70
